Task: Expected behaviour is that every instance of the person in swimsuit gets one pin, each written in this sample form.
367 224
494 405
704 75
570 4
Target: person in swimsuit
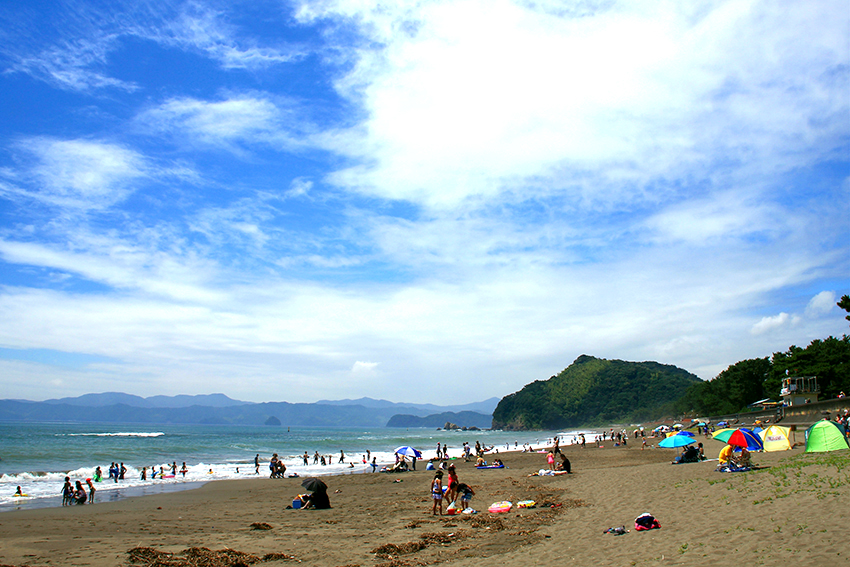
451 485
466 494
67 492
91 490
80 495
437 492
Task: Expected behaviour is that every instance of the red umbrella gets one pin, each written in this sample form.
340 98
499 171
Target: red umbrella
746 438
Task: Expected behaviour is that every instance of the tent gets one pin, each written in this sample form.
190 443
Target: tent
825 436
775 438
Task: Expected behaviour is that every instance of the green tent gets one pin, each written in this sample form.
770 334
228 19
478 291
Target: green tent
825 436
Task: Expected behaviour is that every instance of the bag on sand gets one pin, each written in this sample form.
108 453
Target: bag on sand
646 521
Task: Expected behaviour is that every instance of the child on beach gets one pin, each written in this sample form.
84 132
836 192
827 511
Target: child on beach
91 490
451 486
80 495
437 493
67 492
466 494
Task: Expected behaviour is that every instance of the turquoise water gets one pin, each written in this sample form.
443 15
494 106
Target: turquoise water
37 456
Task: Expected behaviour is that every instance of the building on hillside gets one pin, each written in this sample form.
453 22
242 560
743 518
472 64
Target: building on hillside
798 390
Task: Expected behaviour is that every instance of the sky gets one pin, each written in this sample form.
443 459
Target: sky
425 201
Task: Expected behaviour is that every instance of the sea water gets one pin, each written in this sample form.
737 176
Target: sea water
38 456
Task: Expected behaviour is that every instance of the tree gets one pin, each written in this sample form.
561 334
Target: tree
828 359
845 305
730 391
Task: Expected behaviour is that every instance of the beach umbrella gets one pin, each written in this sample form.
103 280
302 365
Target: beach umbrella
409 451
746 438
676 441
314 484
722 423
722 434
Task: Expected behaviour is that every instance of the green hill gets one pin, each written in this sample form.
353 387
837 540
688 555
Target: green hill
595 391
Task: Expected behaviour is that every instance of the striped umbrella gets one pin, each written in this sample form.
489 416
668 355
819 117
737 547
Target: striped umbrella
746 438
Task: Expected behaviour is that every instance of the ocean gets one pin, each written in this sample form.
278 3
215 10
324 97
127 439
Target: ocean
38 456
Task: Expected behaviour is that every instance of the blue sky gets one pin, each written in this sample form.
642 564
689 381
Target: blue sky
425 201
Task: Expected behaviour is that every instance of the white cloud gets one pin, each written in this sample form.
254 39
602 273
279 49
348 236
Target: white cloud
232 123
225 120
71 65
610 180
464 98
82 174
299 187
360 367
201 28
821 304
120 265
768 324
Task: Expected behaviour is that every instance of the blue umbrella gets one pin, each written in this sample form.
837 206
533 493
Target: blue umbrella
686 433
676 441
409 451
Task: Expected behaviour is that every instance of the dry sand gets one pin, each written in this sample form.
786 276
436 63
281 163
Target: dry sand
791 511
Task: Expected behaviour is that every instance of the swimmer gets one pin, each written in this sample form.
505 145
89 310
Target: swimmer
19 492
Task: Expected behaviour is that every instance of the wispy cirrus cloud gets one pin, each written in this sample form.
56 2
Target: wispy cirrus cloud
232 122
76 56
204 28
76 174
75 64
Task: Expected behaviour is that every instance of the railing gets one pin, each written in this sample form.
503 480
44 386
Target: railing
802 414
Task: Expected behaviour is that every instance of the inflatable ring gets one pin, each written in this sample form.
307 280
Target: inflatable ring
500 507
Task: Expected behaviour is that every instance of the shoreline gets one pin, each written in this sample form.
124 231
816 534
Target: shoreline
102 496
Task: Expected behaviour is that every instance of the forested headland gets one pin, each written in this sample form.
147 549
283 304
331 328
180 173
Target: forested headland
595 391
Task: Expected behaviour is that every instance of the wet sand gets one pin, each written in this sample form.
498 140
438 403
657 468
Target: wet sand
791 510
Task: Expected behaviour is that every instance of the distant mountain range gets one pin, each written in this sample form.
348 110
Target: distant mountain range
485 407
116 407
181 401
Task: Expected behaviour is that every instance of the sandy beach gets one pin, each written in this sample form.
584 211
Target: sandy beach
792 509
